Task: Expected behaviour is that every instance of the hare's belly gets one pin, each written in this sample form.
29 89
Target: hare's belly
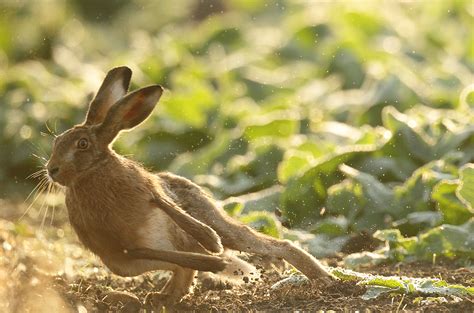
135 267
158 232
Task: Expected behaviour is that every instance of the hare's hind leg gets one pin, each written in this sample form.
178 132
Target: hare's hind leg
242 238
235 235
179 285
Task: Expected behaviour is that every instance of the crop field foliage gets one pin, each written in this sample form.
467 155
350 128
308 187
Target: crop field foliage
345 126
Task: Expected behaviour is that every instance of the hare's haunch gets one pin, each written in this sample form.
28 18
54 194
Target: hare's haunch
137 221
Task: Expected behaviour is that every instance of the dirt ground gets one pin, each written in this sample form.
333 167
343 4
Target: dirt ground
46 270
341 296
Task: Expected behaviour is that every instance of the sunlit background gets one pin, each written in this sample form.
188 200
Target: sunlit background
346 116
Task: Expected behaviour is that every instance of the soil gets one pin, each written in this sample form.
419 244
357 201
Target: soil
46 270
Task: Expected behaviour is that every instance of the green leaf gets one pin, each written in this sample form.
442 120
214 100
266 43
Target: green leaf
355 260
454 211
345 198
414 140
379 197
319 245
415 193
291 166
275 128
264 222
465 190
389 282
451 140
305 195
418 221
375 291
301 158
446 240
346 275
390 235
233 208
332 226
199 162
264 200
191 100
440 287
378 284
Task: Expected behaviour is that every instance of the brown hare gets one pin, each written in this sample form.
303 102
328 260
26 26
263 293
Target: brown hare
137 221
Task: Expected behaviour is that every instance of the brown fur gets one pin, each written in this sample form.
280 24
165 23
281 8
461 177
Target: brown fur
136 221
204 234
196 261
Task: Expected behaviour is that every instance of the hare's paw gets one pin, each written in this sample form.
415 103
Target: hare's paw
326 280
220 265
323 277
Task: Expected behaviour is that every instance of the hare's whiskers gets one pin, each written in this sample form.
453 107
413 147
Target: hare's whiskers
39 150
45 205
42 173
36 187
55 191
42 159
45 186
53 211
56 126
49 129
37 173
40 187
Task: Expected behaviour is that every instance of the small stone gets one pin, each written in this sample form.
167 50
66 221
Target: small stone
128 301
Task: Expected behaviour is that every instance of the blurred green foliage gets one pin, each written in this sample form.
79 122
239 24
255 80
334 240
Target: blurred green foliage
448 241
347 116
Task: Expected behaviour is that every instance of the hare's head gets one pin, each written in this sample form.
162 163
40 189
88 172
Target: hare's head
84 147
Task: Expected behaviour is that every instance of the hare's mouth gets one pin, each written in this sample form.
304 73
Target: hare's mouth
53 171
55 178
56 181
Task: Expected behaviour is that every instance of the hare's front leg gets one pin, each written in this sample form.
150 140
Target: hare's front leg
179 285
204 234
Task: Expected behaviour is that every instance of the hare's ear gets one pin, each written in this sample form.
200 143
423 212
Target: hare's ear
113 88
129 112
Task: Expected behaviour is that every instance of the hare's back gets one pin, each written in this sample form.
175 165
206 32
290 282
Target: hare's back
194 200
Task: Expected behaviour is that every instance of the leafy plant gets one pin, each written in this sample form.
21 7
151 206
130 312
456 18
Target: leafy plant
448 241
377 285
354 119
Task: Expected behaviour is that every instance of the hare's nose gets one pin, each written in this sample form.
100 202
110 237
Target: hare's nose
53 171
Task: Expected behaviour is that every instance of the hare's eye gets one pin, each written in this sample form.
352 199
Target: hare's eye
82 143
